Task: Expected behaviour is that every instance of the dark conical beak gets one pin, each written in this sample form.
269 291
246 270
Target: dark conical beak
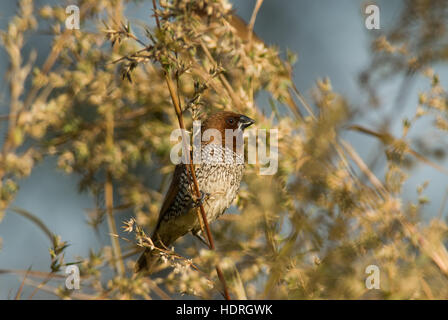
245 122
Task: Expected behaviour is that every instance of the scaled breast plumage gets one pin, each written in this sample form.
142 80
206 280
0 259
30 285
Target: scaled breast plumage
219 175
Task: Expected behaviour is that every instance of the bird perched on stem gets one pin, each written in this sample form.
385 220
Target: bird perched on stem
218 174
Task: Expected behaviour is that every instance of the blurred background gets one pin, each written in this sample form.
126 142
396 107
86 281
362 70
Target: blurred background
330 39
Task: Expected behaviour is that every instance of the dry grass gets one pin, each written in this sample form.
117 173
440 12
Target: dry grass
307 232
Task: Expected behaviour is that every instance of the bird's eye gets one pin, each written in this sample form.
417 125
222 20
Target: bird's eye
230 121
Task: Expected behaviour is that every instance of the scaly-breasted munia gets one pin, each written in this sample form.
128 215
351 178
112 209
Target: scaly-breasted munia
218 175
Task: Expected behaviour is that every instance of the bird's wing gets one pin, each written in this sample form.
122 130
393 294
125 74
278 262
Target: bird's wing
172 192
149 259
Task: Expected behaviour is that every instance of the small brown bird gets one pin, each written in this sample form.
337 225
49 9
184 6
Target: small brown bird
219 175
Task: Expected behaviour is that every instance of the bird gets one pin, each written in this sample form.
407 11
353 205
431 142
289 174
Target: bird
218 174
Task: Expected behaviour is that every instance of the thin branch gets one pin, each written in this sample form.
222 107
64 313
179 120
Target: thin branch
178 110
190 167
35 274
19 292
55 291
108 187
250 27
388 139
360 163
40 285
162 294
108 195
222 78
34 219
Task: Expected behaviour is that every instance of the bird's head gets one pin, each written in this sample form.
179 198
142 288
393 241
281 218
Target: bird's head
222 121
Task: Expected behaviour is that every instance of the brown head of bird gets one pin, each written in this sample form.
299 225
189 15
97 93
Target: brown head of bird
225 128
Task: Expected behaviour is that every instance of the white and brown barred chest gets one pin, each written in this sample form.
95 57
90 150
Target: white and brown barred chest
219 175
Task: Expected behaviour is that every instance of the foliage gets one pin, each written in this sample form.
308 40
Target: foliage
307 232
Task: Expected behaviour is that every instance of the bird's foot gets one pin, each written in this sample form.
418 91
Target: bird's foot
200 201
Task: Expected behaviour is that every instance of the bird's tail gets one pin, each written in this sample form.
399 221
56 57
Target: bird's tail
148 262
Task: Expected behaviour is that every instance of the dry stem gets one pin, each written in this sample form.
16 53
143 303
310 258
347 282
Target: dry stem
177 107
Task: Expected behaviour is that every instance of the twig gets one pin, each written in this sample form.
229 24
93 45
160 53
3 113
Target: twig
222 78
157 289
19 292
108 187
35 274
250 27
388 139
108 195
190 167
178 110
34 219
437 253
40 285
360 163
53 290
